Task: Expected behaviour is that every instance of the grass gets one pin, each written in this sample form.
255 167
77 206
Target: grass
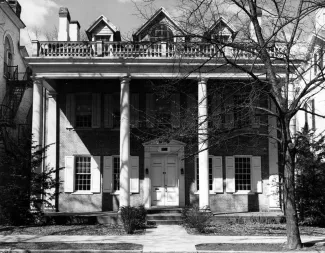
70 246
255 229
98 229
258 247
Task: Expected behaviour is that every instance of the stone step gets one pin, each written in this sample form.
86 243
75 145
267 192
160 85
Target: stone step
164 210
165 222
164 216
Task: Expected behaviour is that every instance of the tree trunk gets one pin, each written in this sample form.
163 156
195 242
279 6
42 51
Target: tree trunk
293 235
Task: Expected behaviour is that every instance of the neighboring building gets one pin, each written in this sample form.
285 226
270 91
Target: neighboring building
313 115
15 81
91 100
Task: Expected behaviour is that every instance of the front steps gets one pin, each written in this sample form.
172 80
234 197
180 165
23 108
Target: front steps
164 216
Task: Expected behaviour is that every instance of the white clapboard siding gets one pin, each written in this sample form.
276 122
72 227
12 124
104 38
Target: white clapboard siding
69 174
95 174
217 174
230 174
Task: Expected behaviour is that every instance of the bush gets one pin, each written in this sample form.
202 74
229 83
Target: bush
133 218
197 218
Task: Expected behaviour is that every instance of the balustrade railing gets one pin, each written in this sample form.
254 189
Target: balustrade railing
147 50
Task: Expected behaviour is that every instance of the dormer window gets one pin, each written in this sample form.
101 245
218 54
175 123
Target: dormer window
161 32
105 38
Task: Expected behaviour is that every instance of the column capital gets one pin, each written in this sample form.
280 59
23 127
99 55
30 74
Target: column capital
202 79
126 79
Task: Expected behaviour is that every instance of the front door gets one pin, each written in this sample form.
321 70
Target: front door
164 181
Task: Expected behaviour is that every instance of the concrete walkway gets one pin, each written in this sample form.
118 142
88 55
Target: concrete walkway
166 238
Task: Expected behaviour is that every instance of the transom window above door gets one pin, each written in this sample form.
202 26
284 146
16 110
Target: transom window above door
161 32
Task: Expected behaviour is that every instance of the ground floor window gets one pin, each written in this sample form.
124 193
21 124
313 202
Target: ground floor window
242 173
83 173
197 173
116 173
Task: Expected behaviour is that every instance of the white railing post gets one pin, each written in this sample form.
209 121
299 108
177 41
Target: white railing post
35 48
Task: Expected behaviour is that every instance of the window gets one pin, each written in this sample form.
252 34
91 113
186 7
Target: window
104 38
116 110
310 119
242 173
84 110
161 33
8 65
116 173
83 173
210 173
241 111
163 111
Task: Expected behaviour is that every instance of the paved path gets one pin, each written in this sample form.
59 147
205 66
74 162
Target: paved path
167 238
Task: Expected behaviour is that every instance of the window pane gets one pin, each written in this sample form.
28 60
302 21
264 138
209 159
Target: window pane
161 33
83 174
83 110
243 173
116 173
210 173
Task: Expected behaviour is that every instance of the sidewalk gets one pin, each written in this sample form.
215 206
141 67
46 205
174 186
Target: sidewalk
167 238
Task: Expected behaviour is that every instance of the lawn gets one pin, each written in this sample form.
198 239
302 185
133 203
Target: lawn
97 229
70 246
259 229
258 247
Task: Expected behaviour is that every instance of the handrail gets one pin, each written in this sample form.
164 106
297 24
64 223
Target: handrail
149 49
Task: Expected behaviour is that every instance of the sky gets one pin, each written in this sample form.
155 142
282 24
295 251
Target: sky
41 16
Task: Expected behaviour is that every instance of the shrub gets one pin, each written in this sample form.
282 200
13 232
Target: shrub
133 218
197 218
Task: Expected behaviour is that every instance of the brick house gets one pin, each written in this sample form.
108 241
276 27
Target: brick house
91 100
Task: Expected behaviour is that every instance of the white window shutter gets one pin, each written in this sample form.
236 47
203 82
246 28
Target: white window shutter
134 109
96 110
256 174
150 108
108 111
175 110
108 174
230 174
134 176
69 174
70 110
95 174
229 113
217 174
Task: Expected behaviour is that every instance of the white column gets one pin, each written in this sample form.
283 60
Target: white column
50 139
274 194
125 142
203 143
37 117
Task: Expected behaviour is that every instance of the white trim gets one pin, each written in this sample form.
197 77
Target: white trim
82 193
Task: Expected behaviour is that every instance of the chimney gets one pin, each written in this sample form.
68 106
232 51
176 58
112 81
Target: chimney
74 30
251 26
14 4
64 24
320 20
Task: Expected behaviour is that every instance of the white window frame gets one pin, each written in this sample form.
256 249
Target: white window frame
114 192
195 181
251 177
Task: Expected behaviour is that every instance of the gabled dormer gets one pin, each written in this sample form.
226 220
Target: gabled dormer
221 30
160 27
102 29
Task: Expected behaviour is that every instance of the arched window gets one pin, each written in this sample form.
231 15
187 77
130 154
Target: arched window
8 61
161 33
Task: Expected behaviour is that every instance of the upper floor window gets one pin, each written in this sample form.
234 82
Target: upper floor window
83 110
161 33
8 59
105 38
242 114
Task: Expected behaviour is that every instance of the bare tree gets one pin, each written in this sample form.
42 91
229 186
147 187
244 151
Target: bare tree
271 34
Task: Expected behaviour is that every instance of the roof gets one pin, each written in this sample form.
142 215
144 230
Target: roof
5 6
153 18
100 19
